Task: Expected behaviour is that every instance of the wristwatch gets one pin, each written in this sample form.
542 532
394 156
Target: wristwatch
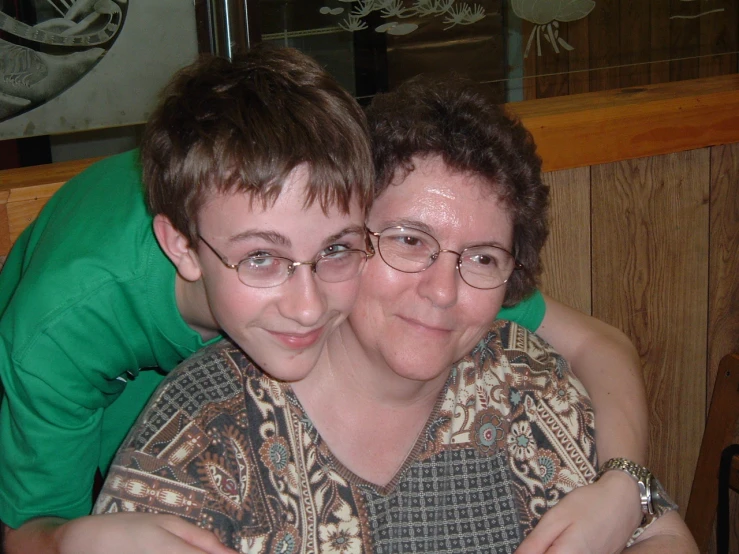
650 489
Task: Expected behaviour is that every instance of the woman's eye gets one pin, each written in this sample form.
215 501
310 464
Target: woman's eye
484 260
406 241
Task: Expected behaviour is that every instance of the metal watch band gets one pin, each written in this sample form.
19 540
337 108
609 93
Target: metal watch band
642 476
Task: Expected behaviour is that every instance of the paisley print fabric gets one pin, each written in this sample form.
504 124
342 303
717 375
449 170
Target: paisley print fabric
226 447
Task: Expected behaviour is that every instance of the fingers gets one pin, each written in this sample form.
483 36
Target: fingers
201 540
542 537
176 545
567 543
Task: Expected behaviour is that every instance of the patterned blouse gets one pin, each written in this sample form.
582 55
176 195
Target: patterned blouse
226 447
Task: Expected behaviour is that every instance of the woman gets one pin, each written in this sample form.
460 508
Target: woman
398 439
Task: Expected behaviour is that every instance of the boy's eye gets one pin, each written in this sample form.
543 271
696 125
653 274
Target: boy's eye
334 248
256 263
257 254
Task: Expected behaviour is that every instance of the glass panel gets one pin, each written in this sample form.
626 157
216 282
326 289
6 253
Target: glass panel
524 48
371 45
72 65
625 43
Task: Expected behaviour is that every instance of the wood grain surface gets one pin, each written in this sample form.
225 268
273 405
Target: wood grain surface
604 127
723 307
566 255
24 191
650 279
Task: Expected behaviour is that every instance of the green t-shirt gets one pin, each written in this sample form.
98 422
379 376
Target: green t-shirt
87 299
87 302
528 313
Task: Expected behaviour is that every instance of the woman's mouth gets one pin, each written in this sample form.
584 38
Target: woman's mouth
424 327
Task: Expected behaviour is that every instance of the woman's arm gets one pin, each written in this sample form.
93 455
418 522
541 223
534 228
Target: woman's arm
606 362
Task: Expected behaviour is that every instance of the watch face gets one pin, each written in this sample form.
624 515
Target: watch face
654 499
661 501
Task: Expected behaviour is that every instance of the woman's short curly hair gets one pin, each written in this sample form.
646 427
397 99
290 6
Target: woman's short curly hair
455 119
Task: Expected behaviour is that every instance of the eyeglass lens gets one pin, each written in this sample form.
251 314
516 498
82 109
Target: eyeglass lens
412 250
270 271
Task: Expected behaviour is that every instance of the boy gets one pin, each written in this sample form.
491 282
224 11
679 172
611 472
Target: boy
91 303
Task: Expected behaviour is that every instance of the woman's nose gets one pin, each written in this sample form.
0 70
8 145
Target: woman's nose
440 281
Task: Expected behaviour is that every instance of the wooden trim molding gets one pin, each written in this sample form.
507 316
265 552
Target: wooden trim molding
604 127
23 177
570 131
25 190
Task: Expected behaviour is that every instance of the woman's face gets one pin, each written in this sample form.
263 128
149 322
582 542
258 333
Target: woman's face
419 324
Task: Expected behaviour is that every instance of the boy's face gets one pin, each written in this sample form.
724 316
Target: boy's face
284 327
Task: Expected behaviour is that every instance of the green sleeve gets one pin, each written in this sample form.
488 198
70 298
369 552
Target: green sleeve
87 301
528 313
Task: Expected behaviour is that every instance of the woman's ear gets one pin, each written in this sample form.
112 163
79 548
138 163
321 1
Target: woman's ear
177 248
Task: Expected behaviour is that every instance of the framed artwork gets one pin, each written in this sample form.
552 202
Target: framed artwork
74 65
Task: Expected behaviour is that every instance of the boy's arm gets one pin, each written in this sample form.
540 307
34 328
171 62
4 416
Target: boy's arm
606 362
668 534
111 534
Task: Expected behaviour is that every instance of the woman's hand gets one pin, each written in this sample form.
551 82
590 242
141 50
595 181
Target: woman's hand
120 533
594 519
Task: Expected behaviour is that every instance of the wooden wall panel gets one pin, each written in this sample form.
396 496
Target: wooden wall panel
723 313
635 52
723 302
605 43
719 42
553 68
659 22
650 279
567 252
685 37
529 62
578 36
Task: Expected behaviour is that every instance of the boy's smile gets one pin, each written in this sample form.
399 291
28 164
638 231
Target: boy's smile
282 327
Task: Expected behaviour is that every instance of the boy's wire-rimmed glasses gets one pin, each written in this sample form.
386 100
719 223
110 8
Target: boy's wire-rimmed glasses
271 271
411 250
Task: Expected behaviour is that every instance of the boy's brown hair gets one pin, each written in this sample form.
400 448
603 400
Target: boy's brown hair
243 125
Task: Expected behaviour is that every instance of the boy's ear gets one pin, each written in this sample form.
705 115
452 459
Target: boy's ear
177 248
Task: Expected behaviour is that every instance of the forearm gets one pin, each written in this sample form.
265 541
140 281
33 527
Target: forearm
120 533
668 534
607 364
38 536
611 374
